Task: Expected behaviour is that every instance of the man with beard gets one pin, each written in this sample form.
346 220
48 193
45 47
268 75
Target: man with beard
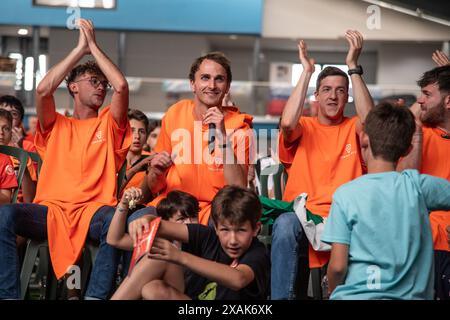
431 154
76 191
185 160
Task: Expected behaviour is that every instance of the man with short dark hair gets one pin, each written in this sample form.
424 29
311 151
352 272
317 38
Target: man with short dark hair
77 186
319 153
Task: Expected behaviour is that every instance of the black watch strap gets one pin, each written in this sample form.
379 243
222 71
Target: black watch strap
357 70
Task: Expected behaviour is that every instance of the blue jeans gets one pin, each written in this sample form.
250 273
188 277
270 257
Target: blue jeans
288 245
30 221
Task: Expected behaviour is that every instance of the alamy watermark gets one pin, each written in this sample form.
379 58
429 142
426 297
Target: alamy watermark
74 15
374 277
373 22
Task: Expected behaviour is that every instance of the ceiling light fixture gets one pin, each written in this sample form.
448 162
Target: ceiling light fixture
22 32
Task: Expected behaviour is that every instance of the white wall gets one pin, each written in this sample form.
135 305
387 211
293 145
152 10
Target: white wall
328 19
402 64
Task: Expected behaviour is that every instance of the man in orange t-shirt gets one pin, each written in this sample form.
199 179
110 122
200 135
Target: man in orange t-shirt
184 160
76 190
320 154
431 154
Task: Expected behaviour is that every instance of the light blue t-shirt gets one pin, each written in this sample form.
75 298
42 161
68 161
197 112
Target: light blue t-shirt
383 217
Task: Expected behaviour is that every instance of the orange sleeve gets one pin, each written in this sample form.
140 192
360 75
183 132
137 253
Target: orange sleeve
244 145
41 138
122 139
286 153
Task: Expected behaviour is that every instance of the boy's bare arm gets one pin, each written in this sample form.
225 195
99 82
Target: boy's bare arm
167 229
289 124
233 278
337 268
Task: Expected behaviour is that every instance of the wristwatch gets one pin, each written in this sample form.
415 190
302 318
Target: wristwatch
357 70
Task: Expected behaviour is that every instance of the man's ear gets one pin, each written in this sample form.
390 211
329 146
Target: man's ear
364 140
447 102
73 87
257 229
192 86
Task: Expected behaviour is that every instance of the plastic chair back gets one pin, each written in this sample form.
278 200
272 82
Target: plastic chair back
36 158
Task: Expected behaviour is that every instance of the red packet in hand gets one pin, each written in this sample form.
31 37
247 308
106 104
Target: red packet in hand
144 243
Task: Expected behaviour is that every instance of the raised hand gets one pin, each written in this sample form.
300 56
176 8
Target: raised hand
307 63
355 40
82 41
87 28
440 58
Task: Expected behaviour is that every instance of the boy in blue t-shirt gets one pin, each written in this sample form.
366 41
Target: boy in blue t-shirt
378 224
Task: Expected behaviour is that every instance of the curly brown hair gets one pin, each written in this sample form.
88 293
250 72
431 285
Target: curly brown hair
90 67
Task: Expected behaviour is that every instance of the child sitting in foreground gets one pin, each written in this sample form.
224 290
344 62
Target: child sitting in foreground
178 207
226 262
378 225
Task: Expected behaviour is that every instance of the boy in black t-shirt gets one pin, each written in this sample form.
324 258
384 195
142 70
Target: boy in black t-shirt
225 262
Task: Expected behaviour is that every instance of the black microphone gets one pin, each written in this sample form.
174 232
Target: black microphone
211 137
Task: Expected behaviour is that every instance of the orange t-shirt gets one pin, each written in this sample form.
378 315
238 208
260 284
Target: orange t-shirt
81 159
324 158
197 174
7 176
436 162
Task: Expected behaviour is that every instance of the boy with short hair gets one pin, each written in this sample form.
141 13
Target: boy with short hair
378 224
138 159
226 262
8 180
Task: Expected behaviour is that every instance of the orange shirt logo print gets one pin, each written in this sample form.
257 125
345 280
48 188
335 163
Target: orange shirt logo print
9 170
348 151
98 137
